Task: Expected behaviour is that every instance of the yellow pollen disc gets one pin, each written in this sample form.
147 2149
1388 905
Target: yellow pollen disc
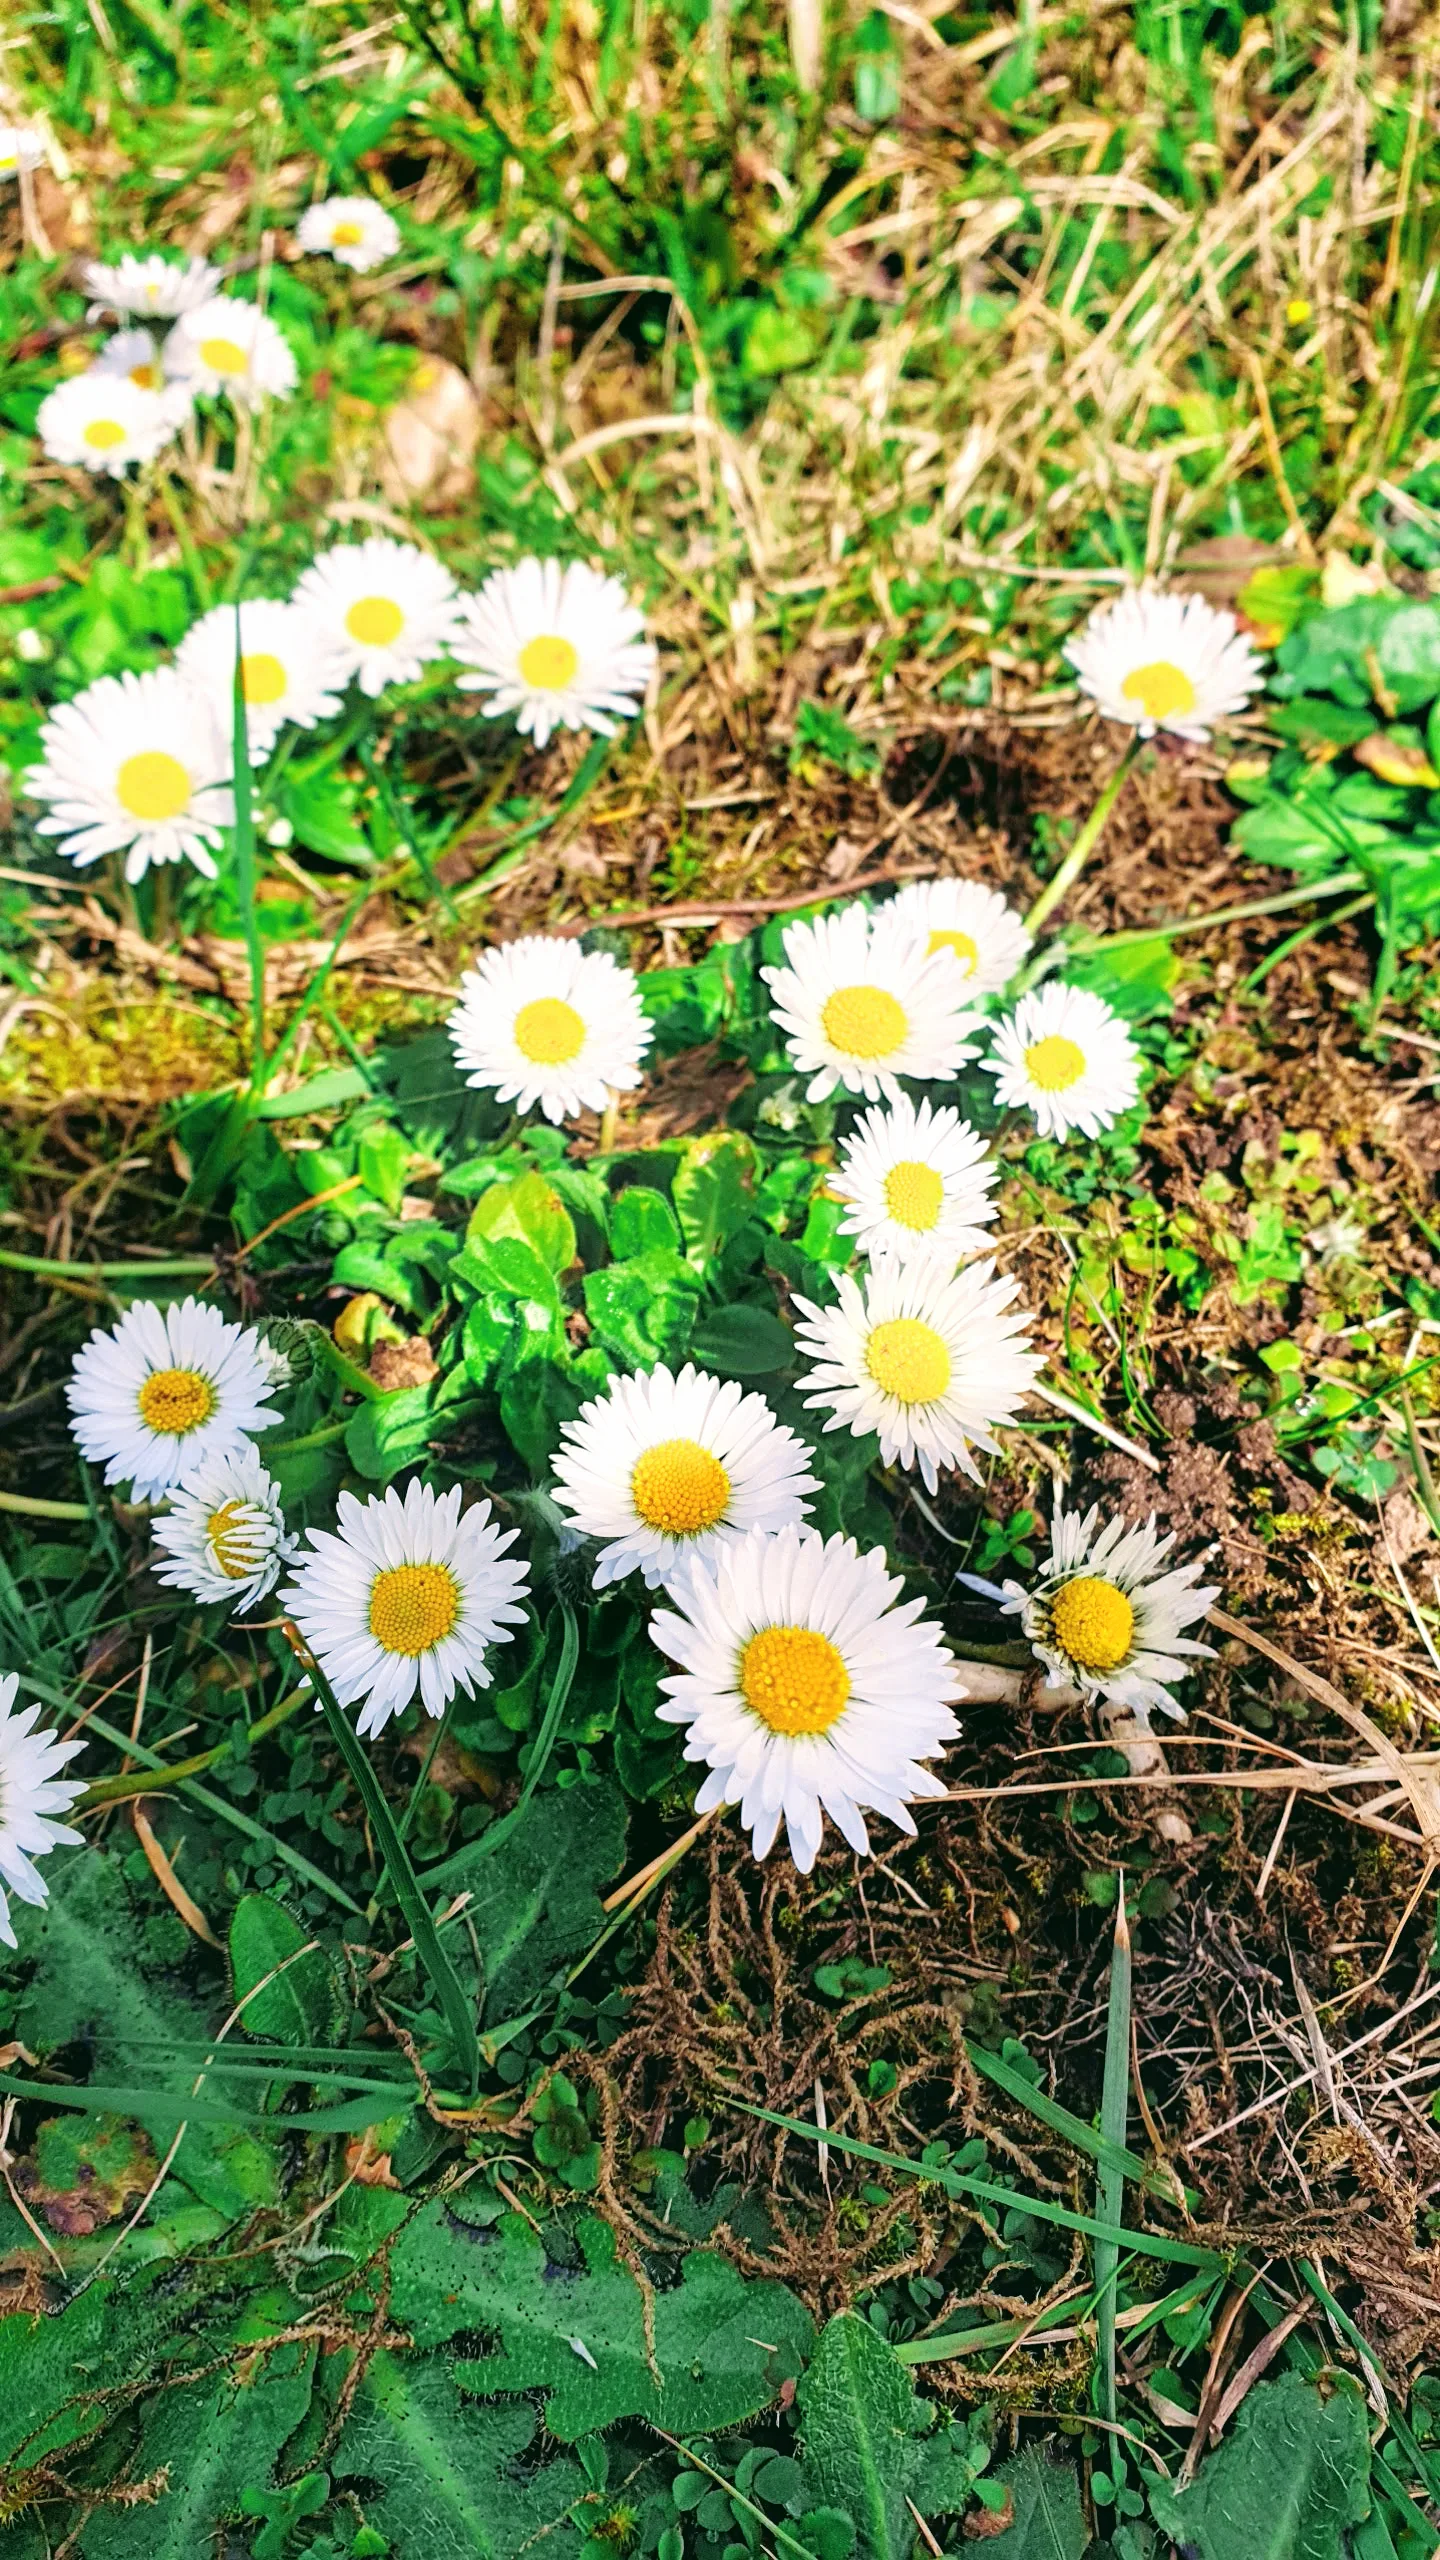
231 1539
908 1360
945 938
795 1679
677 1486
153 786
1161 690
103 434
864 1022
176 1401
346 235
1053 1065
1093 1622
549 1032
374 621
221 355
548 663
146 377
262 678
413 1607
914 1195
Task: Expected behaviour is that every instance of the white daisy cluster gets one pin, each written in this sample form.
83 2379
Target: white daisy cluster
136 394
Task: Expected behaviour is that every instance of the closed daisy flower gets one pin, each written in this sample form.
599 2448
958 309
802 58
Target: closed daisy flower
555 646
135 353
224 1536
31 1795
976 925
105 422
154 288
861 1004
406 1595
1161 661
228 345
134 765
931 1361
386 608
665 1469
1105 1617
287 668
1065 1056
804 1689
915 1179
541 1021
351 229
166 1392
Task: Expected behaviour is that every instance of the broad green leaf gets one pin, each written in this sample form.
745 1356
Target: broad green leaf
452 2477
1046 2519
778 341
537 1895
212 2439
870 2444
390 1433
639 1219
715 1191
51 2367
743 1342
530 1211
301 2005
643 1310
323 812
1286 2482
1136 981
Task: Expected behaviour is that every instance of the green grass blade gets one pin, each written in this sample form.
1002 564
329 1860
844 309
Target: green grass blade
1096 2145
1114 2122
178 2106
1003 2333
245 884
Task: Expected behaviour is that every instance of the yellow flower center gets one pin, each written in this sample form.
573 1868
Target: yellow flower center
864 1022
679 1487
914 1194
945 938
1093 1622
146 377
374 621
221 355
232 1541
795 1679
346 235
1160 689
176 1401
1297 311
1054 1064
908 1360
549 1032
103 434
548 663
262 678
152 786
413 1607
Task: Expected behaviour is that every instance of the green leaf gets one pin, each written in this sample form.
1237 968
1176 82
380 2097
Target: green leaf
1136 981
828 734
302 2004
52 2368
453 2478
643 1310
530 1211
878 64
1286 2482
323 813
212 2440
778 341
537 1895
361 1266
743 1342
863 2431
390 1432
641 1220
714 1191
1047 2522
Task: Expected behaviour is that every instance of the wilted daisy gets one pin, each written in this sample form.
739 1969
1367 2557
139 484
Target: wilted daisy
862 1003
915 1178
225 1534
406 1596
166 1392
154 288
975 924
557 646
1103 1616
30 1797
1164 661
666 1469
387 608
930 1360
231 346
1065 1056
541 1021
351 229
134 764
104 422
19 149
288 670
804 1689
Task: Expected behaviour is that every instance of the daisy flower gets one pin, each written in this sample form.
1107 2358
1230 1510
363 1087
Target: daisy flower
225 1536
165 1392
1104 1617
19 149
556 645
406 1596
30 1797
541 1021
1162 661
104 422
228 345
915 1177
134 765
288 670
153 287
861 1003
804 1689
135 353
929 1360
353 230
1065 1056
669 1468
386 607
974 923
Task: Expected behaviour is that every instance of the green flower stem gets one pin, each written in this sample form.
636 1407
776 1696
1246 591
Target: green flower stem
1307 933
1083 846
34 1509
1114 2124
149 1782
180 1266
1170 926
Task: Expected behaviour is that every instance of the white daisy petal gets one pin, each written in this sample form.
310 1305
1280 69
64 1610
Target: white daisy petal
556 645
290 670
354 230
862 1003
31 1794
20 148
929 1360
135 353
231 346
154 288
983 934
1103 1617
387 608
1159 661
541 1021
134 765
802 1688
914 1178
1064 1055
225 1536
106 420
165 1392
406 1596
